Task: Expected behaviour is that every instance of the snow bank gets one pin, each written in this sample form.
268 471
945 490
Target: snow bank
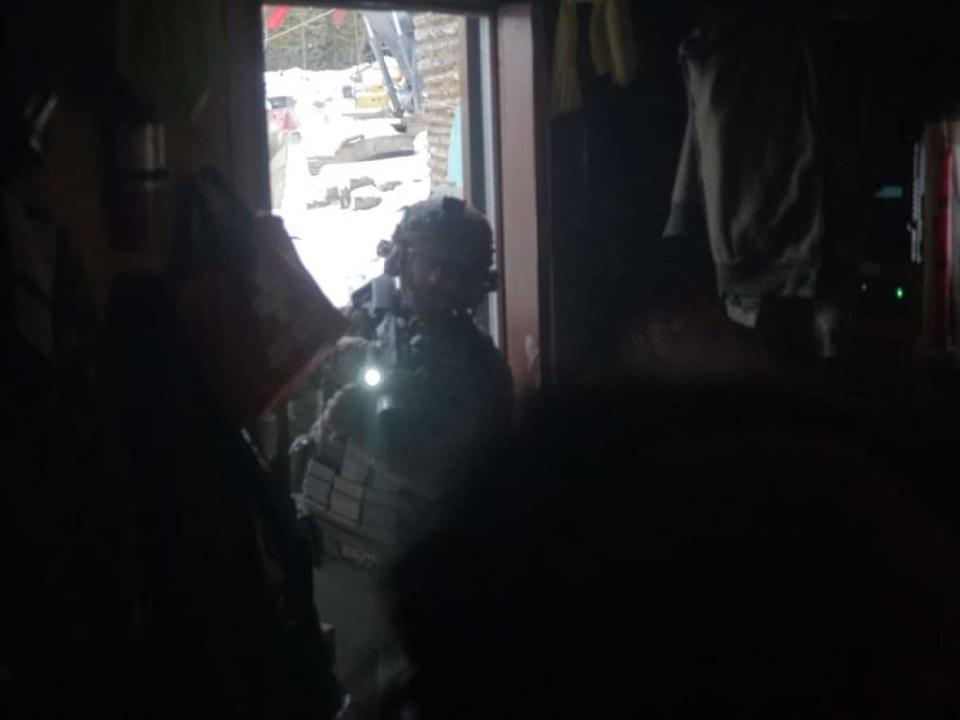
326 85
338 245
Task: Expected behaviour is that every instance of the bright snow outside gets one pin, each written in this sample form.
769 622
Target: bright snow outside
337 241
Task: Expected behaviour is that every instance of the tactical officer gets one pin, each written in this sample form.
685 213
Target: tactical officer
414 386
450 386
417 383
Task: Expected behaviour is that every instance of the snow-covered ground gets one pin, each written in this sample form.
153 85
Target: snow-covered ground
338 245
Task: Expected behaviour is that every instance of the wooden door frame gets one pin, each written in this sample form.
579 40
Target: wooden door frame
524 193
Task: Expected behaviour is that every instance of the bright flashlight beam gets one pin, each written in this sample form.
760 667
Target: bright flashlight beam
372 377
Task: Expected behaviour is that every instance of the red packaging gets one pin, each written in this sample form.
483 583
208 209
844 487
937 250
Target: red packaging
258 327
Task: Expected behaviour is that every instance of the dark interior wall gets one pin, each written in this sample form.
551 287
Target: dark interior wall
611 174
66 47
72 48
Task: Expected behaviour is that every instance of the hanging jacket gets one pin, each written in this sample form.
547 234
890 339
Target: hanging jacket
752 154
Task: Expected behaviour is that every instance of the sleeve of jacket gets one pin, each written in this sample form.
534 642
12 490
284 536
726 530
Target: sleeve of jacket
686 187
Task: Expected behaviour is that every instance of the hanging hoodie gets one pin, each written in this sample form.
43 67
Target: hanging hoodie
751 157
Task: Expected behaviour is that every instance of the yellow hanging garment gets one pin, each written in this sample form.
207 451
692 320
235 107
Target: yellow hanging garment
612 49
565 91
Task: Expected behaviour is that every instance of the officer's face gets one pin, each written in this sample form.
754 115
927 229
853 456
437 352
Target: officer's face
437 282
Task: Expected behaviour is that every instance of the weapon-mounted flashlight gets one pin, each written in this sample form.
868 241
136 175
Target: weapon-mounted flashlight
372 377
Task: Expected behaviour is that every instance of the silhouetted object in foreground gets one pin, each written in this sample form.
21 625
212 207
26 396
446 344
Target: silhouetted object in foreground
659 553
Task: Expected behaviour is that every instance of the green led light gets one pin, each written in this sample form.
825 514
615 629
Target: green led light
863 287
899 293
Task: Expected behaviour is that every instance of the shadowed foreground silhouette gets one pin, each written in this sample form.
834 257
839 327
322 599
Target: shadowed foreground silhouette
678 553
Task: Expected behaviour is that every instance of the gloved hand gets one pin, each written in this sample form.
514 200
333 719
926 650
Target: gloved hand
348 411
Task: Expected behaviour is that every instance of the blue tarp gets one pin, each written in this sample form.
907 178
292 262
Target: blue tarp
455 152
